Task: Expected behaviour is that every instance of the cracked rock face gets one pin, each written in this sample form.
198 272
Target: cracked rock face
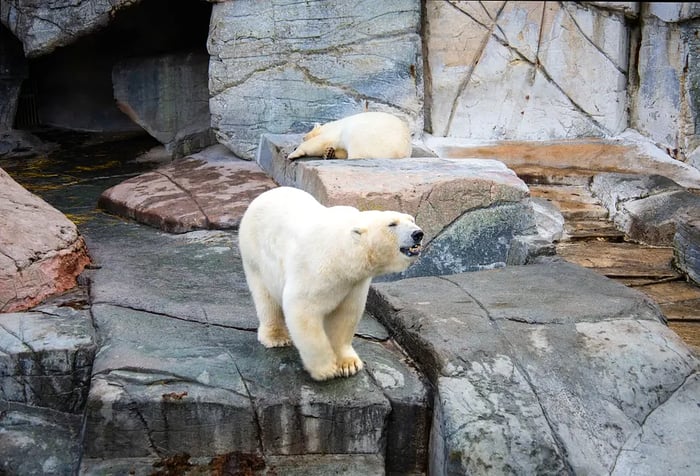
514 70
45 26
545 369
340 57
41 251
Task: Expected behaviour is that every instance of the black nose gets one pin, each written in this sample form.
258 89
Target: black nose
417 236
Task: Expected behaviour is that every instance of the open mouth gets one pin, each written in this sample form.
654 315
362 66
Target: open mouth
412 251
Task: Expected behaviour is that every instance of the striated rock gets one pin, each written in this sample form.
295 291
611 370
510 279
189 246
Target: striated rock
45 359
544 369
339 58
45 26
150 92
41 251
686 248
648 208
514 73
207 190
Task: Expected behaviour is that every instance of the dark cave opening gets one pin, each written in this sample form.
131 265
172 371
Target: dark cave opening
72 88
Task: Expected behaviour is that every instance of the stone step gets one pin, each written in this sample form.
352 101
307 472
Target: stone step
472 211
546 369
577 230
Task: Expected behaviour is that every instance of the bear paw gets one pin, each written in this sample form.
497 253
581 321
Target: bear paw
324 373
274 337
329 153
348 366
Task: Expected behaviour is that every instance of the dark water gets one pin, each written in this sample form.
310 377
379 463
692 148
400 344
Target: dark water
80 168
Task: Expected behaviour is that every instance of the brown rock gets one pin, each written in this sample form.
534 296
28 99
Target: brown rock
208 190
41 251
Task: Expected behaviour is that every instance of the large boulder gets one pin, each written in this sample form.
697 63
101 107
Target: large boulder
44 26
546 369
281 67
472 211
41 251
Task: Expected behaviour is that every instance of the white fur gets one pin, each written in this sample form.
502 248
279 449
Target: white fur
309 268
367 135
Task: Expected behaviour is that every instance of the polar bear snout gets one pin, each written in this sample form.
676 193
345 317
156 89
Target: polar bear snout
412 245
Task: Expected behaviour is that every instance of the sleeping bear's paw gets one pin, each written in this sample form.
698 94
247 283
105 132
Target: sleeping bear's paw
329 153
348 366
274 336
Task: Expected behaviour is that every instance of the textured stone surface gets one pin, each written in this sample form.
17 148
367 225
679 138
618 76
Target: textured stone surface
150 92
686 248
207 190
44 26
562 161
647 208
41 251
514 71
301 63
45 359
435 191
545 368
470 210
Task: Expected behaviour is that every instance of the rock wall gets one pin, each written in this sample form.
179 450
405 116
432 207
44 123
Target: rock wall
479 70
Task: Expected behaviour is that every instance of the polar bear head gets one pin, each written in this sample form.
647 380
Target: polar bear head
390 240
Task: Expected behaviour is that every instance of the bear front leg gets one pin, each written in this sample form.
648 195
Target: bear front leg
309 337
341 326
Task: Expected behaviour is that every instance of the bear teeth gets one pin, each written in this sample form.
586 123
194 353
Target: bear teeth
412 251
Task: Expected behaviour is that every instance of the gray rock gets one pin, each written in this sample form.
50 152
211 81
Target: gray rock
686 248
663 441
38 441
540 369
341 58
41 251
44 26
45 359
648 208
150 92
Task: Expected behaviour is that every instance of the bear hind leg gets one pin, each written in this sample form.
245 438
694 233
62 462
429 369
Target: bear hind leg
272 331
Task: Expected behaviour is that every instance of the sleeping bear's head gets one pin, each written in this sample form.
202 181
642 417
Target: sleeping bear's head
391 240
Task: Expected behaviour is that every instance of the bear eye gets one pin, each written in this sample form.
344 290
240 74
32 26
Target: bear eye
394 223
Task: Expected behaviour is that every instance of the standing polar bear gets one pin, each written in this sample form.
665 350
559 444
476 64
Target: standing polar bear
309 268
367 135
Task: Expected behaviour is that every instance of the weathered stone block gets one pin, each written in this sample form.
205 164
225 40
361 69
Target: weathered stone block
41 251
686 248
207 190
513 73
544 368
341 58
45 360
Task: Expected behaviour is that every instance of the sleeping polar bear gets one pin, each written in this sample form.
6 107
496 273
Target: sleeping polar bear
309 268
367 135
